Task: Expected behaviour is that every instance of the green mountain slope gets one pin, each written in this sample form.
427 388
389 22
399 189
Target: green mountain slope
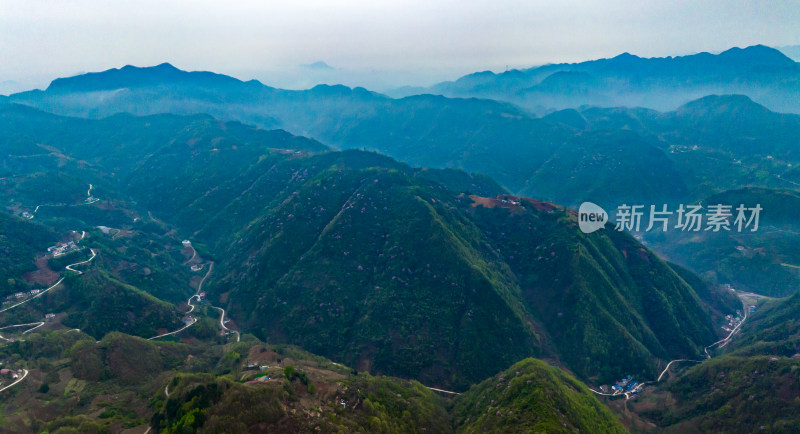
75 384
531 396
730 394
371 273
98 303
606 168
752 386
20 243
773 329
601 294
355 259
365 260
368 261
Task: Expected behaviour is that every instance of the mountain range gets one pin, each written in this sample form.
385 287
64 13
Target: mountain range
482 136
298 227
608 156
763 73
335 259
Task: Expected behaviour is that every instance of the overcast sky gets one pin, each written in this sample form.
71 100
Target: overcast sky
376 43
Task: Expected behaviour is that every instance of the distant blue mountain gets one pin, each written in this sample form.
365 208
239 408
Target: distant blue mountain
319 66
543 157
764 74
132 76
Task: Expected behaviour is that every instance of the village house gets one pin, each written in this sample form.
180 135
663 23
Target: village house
62 248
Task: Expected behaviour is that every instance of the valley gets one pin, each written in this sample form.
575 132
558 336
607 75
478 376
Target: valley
172 262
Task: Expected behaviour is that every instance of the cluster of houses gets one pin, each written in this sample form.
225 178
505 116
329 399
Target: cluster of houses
257 366
732 321
196 267
62 248
19 295
624 385
26 215
253 366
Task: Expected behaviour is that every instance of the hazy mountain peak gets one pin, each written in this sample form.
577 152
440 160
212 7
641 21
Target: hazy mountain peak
165 66
661 83
721 103
760 54
626 56
134 76
319 66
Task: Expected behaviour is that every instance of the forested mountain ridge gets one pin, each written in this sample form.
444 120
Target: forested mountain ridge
432 274
342 251
706 144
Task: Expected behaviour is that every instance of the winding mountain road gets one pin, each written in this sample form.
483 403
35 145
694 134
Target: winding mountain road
35 296
194 255
24 374
69 267
730 335
443 391
191 323
675 361
192 306
222 316
36 326
189 302
200 285
721 343
222 323
41 293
